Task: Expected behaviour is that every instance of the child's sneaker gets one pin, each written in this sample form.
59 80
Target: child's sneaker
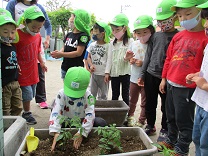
166 145
162 135
43 105
149 130
29 118
131 121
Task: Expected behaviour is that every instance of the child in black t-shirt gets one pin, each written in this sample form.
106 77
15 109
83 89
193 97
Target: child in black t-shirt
75 42
12 94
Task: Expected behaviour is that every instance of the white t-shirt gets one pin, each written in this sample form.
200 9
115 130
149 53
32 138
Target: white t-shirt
99 55
201 96
139 50
19 10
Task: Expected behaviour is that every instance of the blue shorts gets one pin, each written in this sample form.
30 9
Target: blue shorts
28 92
63 74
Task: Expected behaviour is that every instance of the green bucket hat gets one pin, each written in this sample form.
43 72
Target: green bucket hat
163 9
203 6
107 29
82 20
6 17
76 82
185 4
4 12
32 13
121 20
199 2
143 22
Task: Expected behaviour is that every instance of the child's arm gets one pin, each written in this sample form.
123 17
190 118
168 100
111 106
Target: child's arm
42 64
58 54
54 126
108 63
201 82
89 60
88 121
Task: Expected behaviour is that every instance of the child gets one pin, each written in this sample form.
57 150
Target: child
75 42
11 92
97 59
184 56
200 129
143 29
117 68
28 52
153 65
75 100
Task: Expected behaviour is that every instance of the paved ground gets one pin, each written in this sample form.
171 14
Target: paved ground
54 83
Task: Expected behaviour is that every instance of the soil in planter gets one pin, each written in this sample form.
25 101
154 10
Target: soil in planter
89 147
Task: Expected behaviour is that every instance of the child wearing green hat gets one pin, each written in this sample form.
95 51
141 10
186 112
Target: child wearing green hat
153 65
11 92
75 100
143 29
184 56
75 42
118 68
28 52
97 59
200 128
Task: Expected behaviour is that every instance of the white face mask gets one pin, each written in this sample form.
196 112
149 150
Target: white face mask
145 38
71 25
30 32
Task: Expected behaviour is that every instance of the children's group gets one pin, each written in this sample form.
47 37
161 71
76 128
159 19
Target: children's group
171 63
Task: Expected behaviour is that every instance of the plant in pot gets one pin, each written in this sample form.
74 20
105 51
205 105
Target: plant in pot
110 141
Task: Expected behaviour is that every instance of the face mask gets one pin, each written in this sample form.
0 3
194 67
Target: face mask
95 38
166 24
190 24
144 39
118 35
30 32
71 25
6 39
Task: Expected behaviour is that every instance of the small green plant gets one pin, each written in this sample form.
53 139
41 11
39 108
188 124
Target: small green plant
65 134
110 139
164 150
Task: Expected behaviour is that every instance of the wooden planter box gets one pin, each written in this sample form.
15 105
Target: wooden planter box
126 131
113 111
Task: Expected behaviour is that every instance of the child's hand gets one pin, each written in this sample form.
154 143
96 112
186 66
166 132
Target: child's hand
43 66
138 63
54 141
140 82
19 70
132 60
162 86
56 54
107 77
200 82
77 140
189 78
92 68
129 55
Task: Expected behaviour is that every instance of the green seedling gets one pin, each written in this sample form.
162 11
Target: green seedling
65 134
110 139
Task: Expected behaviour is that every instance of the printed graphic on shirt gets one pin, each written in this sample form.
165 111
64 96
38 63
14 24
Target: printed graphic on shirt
84 39
12 60
70 44
185 51
91 100
98 53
